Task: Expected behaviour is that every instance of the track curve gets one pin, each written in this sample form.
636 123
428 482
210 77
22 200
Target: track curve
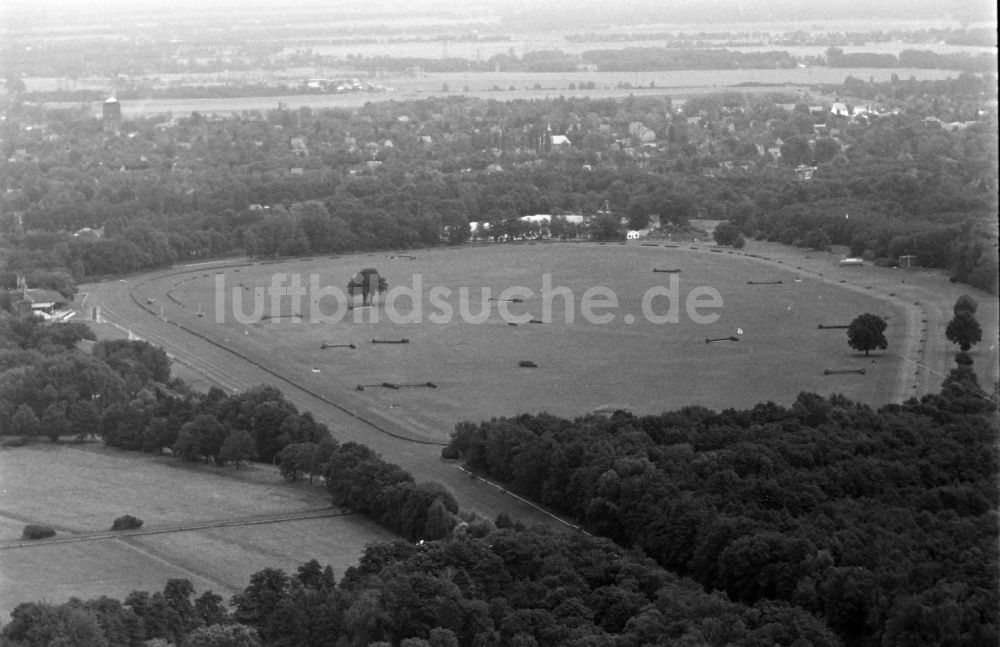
121 306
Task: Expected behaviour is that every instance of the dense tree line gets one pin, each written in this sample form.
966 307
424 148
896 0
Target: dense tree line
649 59
485 585
881 522
913 58
360 479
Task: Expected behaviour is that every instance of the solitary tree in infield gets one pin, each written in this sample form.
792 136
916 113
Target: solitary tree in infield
964 330
867 333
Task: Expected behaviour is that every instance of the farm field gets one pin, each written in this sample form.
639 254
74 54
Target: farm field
80 490
643 366
674 84
534 42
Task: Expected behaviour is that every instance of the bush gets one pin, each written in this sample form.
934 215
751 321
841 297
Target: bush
126 522
36 531
13 441
449 452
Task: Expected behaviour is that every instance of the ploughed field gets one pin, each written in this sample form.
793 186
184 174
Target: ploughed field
209 525
467 349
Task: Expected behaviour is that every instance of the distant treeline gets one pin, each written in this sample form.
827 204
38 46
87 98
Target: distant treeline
649 59
979 37
899 89
983 63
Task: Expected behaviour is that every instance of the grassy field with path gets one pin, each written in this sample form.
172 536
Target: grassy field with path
79 490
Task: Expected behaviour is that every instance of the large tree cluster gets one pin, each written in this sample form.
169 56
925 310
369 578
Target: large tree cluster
877 521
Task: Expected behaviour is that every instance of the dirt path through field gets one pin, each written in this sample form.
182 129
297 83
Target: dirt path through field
204 525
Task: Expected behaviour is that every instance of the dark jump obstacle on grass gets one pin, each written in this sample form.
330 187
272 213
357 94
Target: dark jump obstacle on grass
325 345
525 363
843 371
764 282
667 271
394 386
293 315
391 341
832 327
720 339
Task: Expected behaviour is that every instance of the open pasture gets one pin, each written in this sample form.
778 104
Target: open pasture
80 491
83 490
645 366
231 555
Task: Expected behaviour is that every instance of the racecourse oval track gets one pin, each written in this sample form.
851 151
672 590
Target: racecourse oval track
925 298
233 372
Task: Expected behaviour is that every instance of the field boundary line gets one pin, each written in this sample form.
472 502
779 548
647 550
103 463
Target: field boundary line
229 523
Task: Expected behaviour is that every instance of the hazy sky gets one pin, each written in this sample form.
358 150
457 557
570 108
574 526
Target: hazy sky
711 10
516 14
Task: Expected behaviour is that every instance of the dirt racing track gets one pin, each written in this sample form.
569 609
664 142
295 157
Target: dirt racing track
120 305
